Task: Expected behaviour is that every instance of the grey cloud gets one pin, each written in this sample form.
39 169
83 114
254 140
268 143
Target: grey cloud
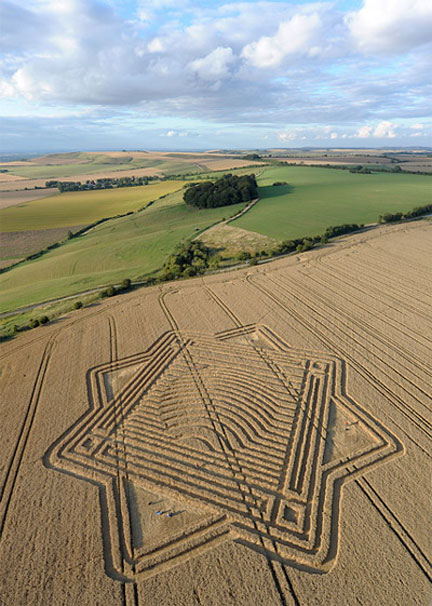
22 29
86 54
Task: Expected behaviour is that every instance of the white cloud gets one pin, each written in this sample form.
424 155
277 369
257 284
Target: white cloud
215 65
333 136
288 136
7 89
156 46
293 37
385 130
364 132
180 133
144 15
417 126
391 25
163 4
147 10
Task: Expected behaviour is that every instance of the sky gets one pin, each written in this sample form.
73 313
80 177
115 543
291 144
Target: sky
201 74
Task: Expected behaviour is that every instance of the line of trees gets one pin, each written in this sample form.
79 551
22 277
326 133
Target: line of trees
368 170
340 230
230 189
411 214
301 244
103 183
360 169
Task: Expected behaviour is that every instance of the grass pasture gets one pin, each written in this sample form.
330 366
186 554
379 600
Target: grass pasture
82 207
132 246
316 198
230 241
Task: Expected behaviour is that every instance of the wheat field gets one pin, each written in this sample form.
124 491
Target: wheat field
259 436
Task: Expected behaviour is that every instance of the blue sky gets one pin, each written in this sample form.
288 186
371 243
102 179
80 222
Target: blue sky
190 74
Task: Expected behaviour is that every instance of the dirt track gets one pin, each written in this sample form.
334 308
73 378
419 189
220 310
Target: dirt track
281 413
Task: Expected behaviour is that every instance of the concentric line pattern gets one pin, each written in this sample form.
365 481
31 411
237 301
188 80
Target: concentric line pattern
239 431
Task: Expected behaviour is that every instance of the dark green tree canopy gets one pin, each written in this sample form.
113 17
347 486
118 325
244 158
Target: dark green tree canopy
230 189
252 157
188 259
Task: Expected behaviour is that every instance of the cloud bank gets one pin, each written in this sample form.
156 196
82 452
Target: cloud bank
271 64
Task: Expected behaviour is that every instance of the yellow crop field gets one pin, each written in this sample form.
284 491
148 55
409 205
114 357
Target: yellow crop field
81 207
259 436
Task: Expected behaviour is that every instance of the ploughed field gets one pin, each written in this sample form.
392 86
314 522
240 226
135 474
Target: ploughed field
252 437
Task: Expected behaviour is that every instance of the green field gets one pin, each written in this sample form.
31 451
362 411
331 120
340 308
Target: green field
137 245
81 207
317 198
132 246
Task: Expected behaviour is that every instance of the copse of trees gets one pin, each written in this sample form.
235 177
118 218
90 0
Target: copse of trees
230 189
251 157
188 259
